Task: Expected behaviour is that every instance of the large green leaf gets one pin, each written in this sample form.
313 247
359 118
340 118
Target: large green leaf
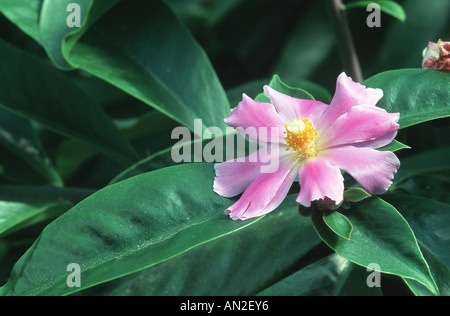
435 160
158 62
259 254
19 137
25 14
433 185
330 276
43 195
125 228
152 128
46 22
395 145
419 95
191 150
56 36
156 161
282 87
381 236
338 223
17 215
429 220
34 89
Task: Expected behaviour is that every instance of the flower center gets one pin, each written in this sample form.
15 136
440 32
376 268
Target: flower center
301 136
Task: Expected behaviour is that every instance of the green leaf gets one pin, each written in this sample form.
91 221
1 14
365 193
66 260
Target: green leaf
441 274
42 195
280 86
382 236
394 146
56 36
429 219
252 89
25 14
435 160
317 92
73 155
338 223
15 215
156 161
157 62
14 170
295 92
124 228
419 95
52 99
192 151
355 195
330 276
430 185
259 254
389 7
19 137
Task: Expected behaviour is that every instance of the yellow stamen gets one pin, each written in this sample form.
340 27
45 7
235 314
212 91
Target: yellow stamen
301 136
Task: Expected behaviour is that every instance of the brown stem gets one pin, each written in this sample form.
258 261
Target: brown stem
345 41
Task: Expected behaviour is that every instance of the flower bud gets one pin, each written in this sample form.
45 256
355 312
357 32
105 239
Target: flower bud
437 56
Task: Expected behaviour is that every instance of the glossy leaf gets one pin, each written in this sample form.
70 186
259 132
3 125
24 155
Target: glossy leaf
434 160
190 150
54 101
25 14
382 236
389 7
441 274
124 228
167 70
430 185
42 195
19 137
339 224
259 254
16 215
419 95
394 146
57 36
355 195
153 127
330 276
282 87
429 220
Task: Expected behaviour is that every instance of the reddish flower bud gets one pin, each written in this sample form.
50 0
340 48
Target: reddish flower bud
437 56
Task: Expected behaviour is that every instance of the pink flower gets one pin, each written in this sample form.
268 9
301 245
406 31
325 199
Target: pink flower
316 141
437 56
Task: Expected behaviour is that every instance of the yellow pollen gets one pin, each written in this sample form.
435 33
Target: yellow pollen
301 137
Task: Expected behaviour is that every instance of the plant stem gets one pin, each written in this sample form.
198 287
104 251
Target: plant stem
345 41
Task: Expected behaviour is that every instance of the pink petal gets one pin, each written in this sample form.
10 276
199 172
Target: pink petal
258 120
348 94
363 124
266 192
291 108
319 180
233 176
374 170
